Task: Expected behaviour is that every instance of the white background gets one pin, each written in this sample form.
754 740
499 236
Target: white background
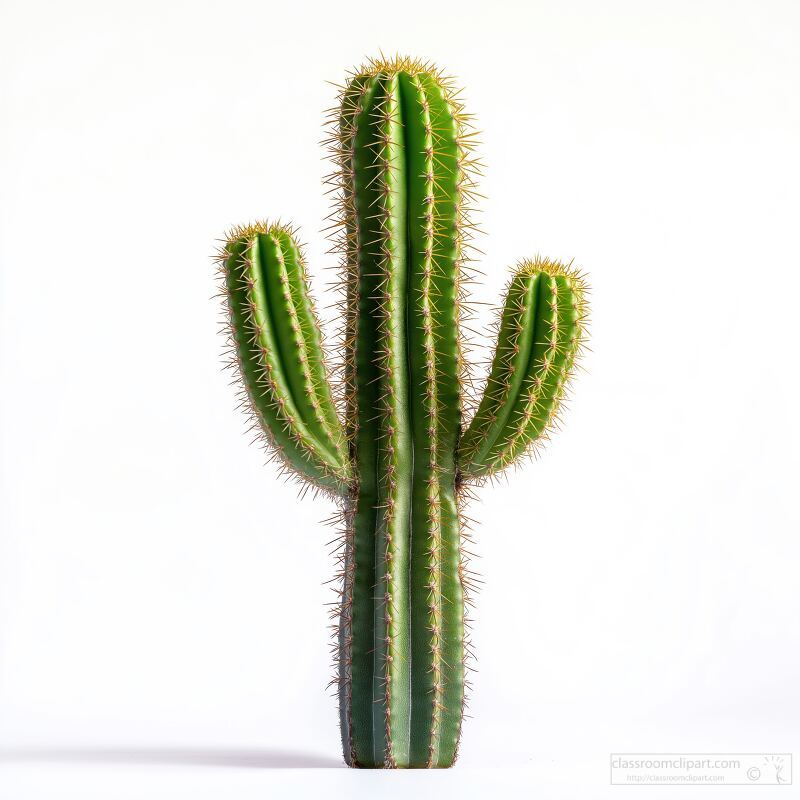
162 598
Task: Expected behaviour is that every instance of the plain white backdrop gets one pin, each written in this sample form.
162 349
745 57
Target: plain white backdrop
162 598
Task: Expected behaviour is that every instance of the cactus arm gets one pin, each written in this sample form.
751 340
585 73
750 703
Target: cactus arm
300 331
280 382
540 337
512 354
544 393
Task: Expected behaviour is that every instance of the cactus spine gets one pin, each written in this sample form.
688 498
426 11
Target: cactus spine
400 462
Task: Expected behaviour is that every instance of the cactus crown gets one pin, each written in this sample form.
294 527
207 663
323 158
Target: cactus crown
398 457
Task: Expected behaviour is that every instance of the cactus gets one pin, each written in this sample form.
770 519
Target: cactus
396 457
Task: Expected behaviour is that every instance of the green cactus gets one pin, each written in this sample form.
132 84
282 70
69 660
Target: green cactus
399 462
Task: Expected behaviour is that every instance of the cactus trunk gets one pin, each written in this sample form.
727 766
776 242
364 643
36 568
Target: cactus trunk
402 656
400 459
